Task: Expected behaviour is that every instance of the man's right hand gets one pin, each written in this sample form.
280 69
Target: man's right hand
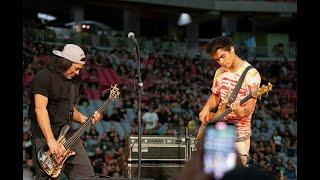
204 115
55 148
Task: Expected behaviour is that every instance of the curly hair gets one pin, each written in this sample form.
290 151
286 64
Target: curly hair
220 42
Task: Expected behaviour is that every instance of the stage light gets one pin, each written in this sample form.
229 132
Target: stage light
47 17
184 19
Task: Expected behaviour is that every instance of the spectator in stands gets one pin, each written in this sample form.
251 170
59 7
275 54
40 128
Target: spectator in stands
243 50
181 128
97 160
53 94
150 119
93 132
27 148
26 124
28 170
291 171
277 140
222 50
117 144
105 142
279 51
291 147
163 112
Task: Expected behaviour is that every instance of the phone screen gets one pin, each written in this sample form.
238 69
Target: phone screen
219 154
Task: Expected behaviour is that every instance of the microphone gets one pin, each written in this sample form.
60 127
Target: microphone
131 36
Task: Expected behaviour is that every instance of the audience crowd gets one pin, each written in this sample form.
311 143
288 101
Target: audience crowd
175 89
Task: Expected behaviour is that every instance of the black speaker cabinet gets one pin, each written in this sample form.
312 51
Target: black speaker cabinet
156 148
162 171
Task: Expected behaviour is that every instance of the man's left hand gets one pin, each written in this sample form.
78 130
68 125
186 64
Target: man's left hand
235 106
96 117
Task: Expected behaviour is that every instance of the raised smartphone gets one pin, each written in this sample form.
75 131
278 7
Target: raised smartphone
219 155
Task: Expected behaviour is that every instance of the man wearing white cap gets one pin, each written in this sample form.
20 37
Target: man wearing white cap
54 91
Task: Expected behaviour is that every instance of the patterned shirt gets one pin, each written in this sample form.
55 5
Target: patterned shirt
223 84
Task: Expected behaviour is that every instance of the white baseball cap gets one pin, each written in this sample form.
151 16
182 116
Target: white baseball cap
72 52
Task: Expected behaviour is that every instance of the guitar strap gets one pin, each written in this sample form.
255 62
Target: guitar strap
236 89
71 101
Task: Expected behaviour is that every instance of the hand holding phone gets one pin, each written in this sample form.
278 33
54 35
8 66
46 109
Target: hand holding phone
219 154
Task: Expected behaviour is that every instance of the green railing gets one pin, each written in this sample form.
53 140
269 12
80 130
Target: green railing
104 42
263 52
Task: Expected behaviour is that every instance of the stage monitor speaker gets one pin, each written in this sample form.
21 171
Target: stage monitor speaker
156 148
156 171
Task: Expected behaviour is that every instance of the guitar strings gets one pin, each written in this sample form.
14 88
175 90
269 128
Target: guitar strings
53 158
88 122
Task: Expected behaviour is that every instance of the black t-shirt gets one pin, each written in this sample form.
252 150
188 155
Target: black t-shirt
57 89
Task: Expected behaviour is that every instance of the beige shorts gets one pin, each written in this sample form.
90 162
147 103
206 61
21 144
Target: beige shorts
243 147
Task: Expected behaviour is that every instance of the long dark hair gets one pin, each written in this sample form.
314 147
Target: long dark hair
59 64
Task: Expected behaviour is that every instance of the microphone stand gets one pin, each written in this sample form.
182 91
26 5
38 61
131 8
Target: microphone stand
140 94
187 143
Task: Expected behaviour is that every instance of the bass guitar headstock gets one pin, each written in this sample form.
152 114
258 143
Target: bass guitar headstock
114 92
262 90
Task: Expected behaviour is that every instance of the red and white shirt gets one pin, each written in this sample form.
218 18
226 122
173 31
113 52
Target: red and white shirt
223 84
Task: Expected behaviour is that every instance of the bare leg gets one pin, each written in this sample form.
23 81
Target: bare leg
244 160
243 151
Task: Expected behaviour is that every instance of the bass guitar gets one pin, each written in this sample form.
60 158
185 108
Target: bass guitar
49 163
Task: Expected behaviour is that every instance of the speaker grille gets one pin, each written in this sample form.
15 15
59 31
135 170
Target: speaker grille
156 171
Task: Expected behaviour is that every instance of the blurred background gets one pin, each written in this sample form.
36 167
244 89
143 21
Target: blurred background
176 72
